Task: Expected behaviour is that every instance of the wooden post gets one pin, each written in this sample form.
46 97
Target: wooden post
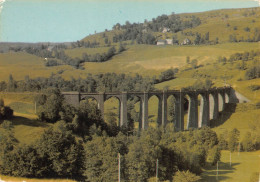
157 163
119 167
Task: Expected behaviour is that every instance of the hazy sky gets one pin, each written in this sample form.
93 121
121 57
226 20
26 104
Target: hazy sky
71 20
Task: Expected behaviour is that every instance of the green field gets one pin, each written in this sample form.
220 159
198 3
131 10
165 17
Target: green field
147 60
244 164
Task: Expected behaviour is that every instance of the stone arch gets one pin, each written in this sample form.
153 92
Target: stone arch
137 99
171 107
178 109
154 110
112 109
192 118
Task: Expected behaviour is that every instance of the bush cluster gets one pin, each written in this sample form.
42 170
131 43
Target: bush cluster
5 111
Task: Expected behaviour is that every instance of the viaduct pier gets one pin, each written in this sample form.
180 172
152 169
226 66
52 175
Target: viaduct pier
212 101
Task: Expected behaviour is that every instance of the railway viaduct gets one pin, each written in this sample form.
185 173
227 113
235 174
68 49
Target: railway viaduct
211 103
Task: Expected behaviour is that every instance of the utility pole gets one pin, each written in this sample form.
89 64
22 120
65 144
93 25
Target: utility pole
119 167
217 170
238 149
230 159
180 112
157 163
35 107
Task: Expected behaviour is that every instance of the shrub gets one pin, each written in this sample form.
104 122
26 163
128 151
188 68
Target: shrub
247 29
52 62
5 111
185 176
254 87
253 72
247 142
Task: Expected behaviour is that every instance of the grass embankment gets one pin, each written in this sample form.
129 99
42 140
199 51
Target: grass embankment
14 179
244 164
26 128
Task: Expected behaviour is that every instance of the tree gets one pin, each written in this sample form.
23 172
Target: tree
63 156
222 143
142 155
171 108
175 39
188 59
247 142
5 111
216 40
11 84
233 139
214 155
121 48
207 36
185 176
50 105
197 39
194 63
7 141
102 158
23 161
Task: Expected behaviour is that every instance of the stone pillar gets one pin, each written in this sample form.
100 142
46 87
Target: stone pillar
179 112
145 111
192 120
226 97
164 108
213 101
140 120
221 100
101 101
204 110
123 109
160 111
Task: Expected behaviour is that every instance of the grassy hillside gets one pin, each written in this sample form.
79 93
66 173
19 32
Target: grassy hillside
147 60
219 23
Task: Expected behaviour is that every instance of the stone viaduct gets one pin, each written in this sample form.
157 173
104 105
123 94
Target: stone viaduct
211 103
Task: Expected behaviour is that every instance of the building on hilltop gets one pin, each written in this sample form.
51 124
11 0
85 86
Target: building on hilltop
186 41
161 42
165 30
165 42
169 41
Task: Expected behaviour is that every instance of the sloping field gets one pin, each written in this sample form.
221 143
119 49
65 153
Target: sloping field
244 165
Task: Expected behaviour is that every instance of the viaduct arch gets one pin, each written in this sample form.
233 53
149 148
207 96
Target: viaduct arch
211 103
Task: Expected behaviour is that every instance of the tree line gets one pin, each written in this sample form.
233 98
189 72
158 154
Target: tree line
142 32
55 53
252 71
107 82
